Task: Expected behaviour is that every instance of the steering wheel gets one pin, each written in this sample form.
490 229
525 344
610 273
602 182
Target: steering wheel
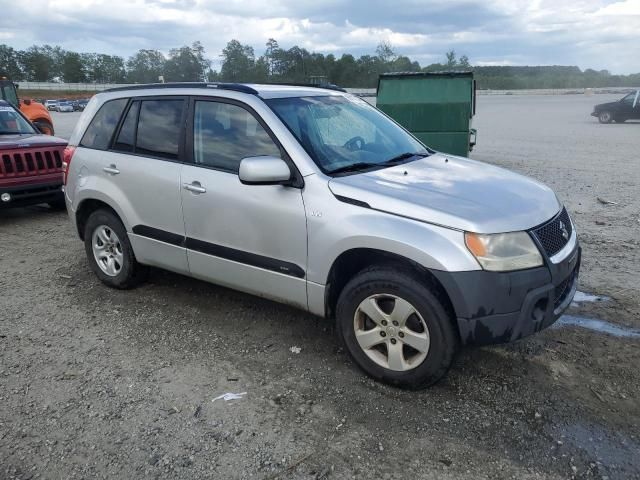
355 143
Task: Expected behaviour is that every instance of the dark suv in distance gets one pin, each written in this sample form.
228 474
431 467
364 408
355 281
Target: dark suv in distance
627 108
30 162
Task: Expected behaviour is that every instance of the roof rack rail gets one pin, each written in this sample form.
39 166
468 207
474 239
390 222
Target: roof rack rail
238 87
327 86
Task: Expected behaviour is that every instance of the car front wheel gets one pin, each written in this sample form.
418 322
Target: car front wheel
605 117
396 328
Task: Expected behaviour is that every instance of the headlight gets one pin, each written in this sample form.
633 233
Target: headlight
501 252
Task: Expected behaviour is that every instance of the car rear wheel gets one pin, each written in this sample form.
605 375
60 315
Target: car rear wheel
395 327
605 117
109 251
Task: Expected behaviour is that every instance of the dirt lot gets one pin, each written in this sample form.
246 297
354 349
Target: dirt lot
97 383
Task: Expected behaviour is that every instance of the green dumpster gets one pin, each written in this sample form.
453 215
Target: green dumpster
437 108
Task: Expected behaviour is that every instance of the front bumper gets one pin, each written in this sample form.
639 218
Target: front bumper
31 194
499 307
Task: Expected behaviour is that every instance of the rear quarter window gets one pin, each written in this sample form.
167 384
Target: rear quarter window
100 131
159 128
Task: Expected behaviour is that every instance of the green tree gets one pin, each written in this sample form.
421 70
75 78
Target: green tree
385 52
10 63
103 68
72 68
451 59
187 64
404 64
237 62
464 62
345 72
271 54
146 66
41 64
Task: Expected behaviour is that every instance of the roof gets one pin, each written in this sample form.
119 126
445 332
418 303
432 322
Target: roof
264 91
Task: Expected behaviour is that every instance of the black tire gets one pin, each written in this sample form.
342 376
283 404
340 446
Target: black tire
605 116
44 127
131 273
403 283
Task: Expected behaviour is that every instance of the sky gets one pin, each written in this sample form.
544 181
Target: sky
599 34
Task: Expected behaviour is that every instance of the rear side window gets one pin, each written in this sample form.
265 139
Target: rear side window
159 128
103 124
127 136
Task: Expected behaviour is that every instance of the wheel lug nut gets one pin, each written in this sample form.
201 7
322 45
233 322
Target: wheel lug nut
401 334
395 323
393 340
384 323
383 334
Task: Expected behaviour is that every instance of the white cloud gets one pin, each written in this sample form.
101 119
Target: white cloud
588 33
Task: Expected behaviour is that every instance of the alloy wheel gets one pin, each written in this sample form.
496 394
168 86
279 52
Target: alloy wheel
107 250
391 332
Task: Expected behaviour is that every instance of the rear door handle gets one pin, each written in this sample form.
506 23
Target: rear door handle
111 169
194 187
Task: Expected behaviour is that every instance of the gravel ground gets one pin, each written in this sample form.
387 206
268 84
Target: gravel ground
98 383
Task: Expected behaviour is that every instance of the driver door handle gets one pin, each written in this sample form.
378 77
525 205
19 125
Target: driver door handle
111 169
194 187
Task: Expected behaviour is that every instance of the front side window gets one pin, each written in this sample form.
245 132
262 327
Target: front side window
340 132
103 124
224 134
12 123
629 98
159 127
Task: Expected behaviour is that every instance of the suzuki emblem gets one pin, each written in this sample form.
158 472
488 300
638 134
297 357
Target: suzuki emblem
563 229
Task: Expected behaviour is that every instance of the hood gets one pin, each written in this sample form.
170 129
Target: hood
11 142
601 106
454 192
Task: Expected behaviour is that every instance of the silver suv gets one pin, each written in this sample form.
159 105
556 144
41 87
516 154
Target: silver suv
314 198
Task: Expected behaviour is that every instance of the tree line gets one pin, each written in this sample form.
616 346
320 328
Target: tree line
240 63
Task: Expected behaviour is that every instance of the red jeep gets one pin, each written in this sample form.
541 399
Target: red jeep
30 162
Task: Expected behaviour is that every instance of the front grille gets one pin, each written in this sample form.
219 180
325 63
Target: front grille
29 162
550 235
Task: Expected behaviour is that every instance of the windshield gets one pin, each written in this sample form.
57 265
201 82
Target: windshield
345 133
11 122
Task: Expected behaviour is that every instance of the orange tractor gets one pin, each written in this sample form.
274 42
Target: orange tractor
31 109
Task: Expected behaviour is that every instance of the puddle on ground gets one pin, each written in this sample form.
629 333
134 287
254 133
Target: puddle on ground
597 326
582 297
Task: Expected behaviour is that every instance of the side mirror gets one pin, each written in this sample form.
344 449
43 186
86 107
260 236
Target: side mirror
264 171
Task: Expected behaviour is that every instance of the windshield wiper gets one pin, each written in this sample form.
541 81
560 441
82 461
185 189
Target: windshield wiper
354 167
404 156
